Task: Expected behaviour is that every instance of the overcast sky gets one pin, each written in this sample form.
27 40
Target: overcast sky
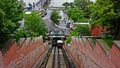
93 0
56 2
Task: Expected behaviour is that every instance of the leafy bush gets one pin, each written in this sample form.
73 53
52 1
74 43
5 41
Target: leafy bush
109 42
33 26
108 36
68 39
21 34
66 4
55 17
81 30
75 14
11 12
83 20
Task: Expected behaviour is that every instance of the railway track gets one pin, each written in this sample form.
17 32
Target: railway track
56 58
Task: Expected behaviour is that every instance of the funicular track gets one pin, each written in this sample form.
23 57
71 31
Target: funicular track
56 58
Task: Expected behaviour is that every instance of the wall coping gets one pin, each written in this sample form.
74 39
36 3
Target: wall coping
27 41
104 46
7 46
95 37
84 41
91 43
20 42
117 43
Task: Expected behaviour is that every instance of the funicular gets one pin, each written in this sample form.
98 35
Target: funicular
57 37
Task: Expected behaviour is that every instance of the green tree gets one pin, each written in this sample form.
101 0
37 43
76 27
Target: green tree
34 24
10 13
55 17
6 27
22 33
75 14
83 5
13 9
115 21
80 30
66 4
107 13
30 5
71 4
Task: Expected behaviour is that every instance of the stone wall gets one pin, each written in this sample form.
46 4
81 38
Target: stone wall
22 54
86 54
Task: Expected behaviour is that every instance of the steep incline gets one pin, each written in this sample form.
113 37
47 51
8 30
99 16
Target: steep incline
89 55
22 54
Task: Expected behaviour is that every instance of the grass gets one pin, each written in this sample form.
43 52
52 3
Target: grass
109 42
94 41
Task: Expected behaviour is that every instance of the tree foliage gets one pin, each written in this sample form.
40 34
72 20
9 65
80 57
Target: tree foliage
83 5
55 17
71 4
12 8
34 24
30 5
66 4
10 13
80 30
75 14
107 13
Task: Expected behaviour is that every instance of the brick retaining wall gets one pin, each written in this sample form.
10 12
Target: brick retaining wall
87 55
22 54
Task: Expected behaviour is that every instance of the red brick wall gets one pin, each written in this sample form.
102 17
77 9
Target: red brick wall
96 31
25 56
11 55
115 56
1 60
86 56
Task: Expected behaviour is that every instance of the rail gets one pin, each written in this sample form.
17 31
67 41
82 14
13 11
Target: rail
56 58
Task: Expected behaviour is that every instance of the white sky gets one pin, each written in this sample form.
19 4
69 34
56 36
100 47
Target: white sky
93 0
55 2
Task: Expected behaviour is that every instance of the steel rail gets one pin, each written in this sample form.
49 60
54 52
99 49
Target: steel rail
44 63
67 59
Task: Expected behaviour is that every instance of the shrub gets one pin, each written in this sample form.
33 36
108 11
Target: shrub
55 17
108 38
34 26
75 14
81 30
